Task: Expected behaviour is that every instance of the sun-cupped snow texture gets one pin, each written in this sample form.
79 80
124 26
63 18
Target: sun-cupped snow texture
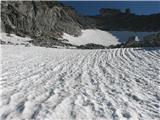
58 84
92 36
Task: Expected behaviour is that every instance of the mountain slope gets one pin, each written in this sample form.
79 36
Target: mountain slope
39 18
117 20
47 84
46 22
52 18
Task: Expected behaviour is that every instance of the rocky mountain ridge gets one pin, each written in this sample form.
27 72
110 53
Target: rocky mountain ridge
46 21
117 20
38 18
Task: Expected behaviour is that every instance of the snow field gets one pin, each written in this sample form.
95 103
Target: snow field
92 36
58 84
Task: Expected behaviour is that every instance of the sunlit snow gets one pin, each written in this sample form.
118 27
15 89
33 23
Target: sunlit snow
92 36
62 84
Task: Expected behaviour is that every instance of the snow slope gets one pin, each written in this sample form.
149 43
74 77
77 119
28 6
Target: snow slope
14 39
58 84
92 36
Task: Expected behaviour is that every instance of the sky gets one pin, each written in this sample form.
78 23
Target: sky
137 7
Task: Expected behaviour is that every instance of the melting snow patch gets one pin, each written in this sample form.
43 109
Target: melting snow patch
92 36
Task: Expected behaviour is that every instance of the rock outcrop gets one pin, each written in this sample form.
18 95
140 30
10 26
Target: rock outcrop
152 40
132 42
39 18
116 20
50 18
46 21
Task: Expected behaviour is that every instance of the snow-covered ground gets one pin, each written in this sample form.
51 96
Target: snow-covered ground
14 39
58 84
92 36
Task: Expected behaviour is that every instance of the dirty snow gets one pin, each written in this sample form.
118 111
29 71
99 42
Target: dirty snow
92 36
58 84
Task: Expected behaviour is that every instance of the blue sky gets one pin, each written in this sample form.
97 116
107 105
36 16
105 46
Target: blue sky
137 7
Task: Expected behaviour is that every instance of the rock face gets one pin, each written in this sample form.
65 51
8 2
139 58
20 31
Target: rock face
132 42
46 21
39 18
116 20
151 40
50 18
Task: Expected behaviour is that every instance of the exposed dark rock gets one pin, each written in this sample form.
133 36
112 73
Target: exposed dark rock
91 46
46 21
5 43
2 42
38 18
117 46
132 42
126 115
151 40
46 41
116 20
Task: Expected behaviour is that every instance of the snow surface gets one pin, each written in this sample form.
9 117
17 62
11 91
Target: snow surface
58 84
92 36
14 39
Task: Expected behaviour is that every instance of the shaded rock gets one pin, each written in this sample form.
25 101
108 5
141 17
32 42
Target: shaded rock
132 42
152 40
117 20
2 42
52 42
50 19
126 115
38 18
91 46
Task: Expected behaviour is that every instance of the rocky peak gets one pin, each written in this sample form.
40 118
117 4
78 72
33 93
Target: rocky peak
48 18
